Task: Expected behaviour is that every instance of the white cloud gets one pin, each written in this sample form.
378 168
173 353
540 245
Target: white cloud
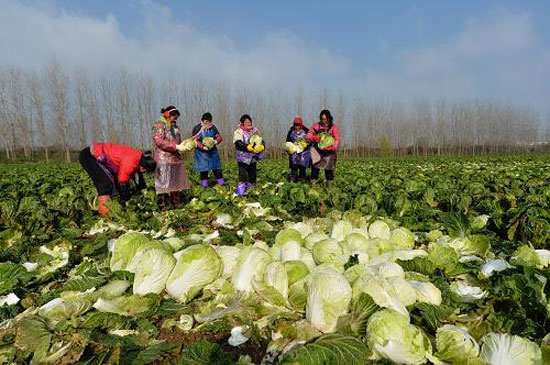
163 45
497 56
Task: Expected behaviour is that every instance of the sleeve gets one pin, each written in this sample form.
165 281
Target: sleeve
124 192
288 139
217 135
140 181
196 130
312 136
159 137
241 146
238 140
336 135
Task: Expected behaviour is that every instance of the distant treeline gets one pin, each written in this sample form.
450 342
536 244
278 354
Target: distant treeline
51 113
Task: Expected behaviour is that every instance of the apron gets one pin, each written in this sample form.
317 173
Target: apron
245 156
300 159
325 160
206 160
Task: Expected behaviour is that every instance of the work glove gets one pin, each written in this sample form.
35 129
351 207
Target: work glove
330 148
250 148
259 149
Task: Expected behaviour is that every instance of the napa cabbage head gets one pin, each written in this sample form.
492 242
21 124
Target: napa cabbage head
356 244
196 267
125 248
153 269
395 293
326 140
340 230
328 298
505 349
402 239
379 229
229 256
312 238
391 336
251 265
142 249
295 270
328 251
455 345
287 245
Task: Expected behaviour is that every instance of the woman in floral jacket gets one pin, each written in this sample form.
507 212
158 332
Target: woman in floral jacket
170 177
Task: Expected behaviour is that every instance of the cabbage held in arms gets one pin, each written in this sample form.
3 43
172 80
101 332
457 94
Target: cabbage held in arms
291 148
326 140
208 143
197 266
189 144
255 140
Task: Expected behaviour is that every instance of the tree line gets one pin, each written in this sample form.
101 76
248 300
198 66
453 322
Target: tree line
57 110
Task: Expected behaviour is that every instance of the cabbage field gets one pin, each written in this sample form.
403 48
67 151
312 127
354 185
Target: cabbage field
407 261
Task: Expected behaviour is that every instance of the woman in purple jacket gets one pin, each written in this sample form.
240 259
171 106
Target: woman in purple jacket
247 154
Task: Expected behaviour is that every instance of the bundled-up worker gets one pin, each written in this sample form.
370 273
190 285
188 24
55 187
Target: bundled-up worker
249 145
299 161
111 167
206 156
325 136
170 177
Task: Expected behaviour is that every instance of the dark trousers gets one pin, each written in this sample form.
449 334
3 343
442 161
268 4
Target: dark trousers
100 179
217 173
247 173
294 170
329 174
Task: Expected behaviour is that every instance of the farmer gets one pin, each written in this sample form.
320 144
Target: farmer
325 136
249 147
170 176
298 161
206 156
111 167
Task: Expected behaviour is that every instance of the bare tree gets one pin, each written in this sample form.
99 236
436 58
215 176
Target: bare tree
36 91
58 93
81 86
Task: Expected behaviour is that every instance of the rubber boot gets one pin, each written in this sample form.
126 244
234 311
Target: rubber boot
241 188
292 179
221 181
204 183
101 208
176 199
250 185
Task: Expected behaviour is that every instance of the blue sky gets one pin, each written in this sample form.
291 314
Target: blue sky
400 49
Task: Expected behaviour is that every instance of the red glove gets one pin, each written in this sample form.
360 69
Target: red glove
316 138
330 148
200 146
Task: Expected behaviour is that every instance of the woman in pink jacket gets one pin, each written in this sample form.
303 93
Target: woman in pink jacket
323 158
